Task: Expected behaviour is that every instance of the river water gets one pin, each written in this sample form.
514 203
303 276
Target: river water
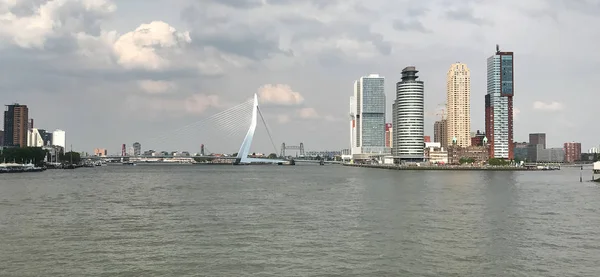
297 221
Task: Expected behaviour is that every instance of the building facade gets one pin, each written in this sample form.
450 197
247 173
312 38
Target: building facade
537 153
100 152
440 133
367 115
59 138
477 138
478 153
499 104
35 138
458 104
16 124
538 138
409 117
520 150
572 152
388 135
137 149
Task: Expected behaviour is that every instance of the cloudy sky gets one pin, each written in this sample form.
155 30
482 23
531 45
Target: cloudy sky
112 72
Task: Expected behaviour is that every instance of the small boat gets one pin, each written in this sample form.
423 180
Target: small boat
129 163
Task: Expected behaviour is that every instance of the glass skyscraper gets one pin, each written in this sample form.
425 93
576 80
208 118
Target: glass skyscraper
367 115
499 105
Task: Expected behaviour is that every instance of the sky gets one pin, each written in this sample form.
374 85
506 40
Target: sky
113 72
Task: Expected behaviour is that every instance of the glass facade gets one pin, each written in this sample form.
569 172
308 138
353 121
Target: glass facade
373 112
506 68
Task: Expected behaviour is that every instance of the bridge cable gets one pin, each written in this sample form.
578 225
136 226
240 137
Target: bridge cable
267 127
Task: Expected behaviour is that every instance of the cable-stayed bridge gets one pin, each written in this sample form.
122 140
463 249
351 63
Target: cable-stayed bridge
228 126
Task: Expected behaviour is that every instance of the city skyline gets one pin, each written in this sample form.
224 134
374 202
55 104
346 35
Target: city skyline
94 86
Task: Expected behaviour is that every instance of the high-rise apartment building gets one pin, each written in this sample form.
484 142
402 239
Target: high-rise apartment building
538 138
499 104
367 116
458 104
440 133
409 117
137 149
572 152
16 124
59 138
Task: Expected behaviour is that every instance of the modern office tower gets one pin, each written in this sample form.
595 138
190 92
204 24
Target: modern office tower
59 138
409 117
367 115
458 105
16 124
137 149
440 133
572 152
499 104
538 138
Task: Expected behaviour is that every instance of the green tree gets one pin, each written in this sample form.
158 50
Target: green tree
498 162
272 156
33 155
70 157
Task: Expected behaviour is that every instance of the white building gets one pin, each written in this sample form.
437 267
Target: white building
409 117
367 117
458 105
34 138
59 138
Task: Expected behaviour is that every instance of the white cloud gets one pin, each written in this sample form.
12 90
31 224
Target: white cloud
308 113
550 107
156 87
149 46
279 94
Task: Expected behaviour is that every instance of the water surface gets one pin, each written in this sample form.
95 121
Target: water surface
297 221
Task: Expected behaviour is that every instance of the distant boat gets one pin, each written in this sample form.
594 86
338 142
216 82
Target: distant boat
129 163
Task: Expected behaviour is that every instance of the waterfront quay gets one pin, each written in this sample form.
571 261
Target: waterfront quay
451 167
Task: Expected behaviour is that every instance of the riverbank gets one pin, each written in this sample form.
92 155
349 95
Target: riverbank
448 167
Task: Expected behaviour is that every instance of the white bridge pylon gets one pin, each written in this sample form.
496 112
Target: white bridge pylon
242 157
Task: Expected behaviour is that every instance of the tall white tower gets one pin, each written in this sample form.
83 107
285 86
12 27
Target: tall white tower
458 93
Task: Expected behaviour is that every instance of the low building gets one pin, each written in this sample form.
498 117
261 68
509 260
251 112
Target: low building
520 150
480 154
100 152
436 155
537 153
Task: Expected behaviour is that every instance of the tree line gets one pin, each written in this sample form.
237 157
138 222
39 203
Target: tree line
34 155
